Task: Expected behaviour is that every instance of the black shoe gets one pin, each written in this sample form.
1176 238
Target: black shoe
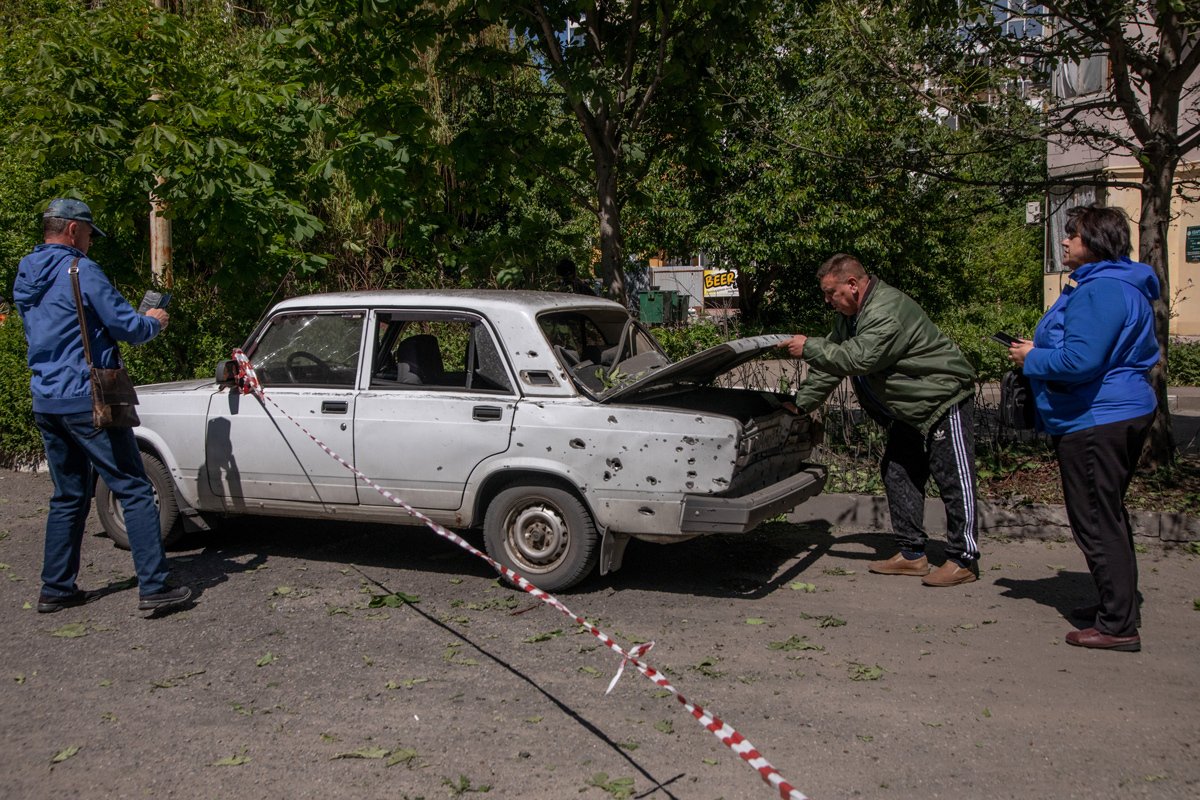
48 603
169 597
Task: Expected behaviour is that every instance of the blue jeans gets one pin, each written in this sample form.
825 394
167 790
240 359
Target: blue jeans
74 448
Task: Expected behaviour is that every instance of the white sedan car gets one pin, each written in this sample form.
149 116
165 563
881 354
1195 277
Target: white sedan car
553 421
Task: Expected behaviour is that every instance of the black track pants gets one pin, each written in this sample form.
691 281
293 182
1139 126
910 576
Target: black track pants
948 456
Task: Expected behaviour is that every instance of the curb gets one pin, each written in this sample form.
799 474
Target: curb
859 513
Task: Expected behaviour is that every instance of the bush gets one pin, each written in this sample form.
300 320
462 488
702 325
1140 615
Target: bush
681 341
204 328
20 442
1183 363
971 329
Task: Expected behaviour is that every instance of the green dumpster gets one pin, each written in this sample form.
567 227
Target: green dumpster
655 306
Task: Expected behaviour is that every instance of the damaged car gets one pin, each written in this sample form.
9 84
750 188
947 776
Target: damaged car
554 422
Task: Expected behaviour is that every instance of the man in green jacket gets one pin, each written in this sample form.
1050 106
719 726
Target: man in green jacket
916 383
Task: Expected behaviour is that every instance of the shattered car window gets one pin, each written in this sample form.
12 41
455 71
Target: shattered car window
310 349
602 349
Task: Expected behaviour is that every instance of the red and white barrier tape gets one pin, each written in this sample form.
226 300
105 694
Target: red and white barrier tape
248 381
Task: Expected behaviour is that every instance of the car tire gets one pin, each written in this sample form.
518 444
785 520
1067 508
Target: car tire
112 516
543 533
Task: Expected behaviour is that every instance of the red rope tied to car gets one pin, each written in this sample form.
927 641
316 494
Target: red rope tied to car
247 381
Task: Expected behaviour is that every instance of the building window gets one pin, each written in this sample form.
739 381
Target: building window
1087 76
1058 201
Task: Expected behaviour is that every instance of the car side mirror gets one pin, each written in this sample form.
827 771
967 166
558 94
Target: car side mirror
226 372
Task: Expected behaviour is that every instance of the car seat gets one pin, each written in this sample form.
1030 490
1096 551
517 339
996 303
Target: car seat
423 358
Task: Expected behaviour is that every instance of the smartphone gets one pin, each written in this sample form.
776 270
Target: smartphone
154 299
1005 339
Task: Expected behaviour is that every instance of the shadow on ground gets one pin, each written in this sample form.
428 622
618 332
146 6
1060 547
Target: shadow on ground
748 566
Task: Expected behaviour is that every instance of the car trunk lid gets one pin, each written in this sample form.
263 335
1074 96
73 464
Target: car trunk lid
699 369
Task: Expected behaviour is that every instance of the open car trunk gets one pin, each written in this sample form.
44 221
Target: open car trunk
774 442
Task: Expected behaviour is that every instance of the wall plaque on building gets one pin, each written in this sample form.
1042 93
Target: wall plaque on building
1192 244
720 283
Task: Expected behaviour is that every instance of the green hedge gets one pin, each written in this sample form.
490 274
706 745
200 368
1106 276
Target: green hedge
681 341
20 442
971 329
1183 363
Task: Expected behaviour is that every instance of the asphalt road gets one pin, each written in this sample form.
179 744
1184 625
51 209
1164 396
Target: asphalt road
288 678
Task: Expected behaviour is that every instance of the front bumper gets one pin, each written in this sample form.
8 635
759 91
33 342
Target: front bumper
707 514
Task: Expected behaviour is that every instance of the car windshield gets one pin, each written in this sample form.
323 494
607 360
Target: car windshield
603 349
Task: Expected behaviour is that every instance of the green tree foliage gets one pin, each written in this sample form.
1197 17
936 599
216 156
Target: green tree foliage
450 158
615 66
817 154
109 99
309 145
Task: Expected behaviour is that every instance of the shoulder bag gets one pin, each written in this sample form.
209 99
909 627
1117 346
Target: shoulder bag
1016 400
113 395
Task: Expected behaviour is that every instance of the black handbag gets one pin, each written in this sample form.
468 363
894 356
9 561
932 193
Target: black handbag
1017 408
113 395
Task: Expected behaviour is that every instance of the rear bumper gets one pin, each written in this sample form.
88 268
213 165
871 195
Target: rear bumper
706 514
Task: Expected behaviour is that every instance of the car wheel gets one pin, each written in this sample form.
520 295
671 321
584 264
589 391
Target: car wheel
544 534
112 516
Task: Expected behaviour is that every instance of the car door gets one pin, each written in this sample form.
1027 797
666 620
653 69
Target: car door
308 364
439 400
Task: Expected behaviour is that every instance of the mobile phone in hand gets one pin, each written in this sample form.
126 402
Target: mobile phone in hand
153 299
1005 339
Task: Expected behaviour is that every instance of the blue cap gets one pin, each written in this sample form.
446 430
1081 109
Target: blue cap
69 208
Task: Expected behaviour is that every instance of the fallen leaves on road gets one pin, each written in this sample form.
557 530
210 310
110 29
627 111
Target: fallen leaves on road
72 630
64 754
232 761
794 642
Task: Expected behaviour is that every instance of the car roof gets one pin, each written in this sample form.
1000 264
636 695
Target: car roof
481 300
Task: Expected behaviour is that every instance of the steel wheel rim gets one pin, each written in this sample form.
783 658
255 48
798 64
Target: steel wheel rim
537 536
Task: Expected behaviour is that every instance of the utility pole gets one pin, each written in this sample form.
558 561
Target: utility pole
160 226
160 240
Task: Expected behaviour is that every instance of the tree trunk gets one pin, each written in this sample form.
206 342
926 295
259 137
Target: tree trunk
1155 217
612 244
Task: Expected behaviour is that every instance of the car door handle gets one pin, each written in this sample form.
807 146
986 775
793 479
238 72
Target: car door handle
487 413
334 407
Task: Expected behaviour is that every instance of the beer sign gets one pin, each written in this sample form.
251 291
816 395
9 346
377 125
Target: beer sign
720 283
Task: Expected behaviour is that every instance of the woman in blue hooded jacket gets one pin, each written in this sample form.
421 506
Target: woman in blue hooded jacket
1088 365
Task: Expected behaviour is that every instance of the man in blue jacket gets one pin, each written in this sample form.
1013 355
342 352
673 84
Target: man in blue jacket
62 408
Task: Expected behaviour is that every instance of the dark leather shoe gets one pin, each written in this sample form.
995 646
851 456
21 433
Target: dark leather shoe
48 603
1090 637
899 565
169 597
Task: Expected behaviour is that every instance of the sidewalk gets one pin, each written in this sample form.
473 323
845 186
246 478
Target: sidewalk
858 513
